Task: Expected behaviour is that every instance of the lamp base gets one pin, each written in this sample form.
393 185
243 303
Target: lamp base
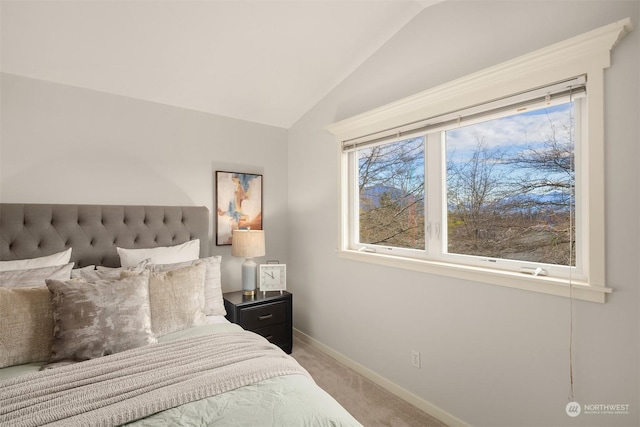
249 277
248 293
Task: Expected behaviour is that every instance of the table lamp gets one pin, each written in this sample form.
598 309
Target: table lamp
248 244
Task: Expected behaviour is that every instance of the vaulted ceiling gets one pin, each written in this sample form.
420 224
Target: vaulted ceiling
263 61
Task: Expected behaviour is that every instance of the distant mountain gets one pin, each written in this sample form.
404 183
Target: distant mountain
375 193
556 199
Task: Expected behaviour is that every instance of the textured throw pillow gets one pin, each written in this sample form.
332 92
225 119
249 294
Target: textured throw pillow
26 325
104 273
117 270
161 255
77 273
176 298
94 319
34 277
95 275
213 301
59 258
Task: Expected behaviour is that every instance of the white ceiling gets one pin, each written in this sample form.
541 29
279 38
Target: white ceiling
263 61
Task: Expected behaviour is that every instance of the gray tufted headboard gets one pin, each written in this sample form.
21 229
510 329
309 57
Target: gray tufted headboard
94 231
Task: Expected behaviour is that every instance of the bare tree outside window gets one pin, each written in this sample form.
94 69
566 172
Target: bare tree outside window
391 186
510 187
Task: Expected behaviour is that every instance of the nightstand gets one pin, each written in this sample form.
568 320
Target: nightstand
269 315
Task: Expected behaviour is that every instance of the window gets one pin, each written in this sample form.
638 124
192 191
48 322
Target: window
496 177
391 200
501 187
510 189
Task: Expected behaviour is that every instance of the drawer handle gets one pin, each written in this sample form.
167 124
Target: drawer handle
265 317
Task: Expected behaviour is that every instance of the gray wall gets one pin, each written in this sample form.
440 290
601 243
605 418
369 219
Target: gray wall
61 144
491 356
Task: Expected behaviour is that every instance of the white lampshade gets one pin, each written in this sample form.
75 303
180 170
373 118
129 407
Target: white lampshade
247 243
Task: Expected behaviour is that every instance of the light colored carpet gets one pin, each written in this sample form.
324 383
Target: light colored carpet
368 402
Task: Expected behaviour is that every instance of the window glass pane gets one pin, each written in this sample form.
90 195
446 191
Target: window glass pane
510 187
391 189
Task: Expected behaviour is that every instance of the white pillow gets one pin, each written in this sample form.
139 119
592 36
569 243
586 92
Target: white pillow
161 255
60 258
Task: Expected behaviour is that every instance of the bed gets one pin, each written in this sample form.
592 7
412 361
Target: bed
113 315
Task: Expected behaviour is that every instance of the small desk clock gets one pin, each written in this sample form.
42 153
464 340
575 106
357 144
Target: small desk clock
272 277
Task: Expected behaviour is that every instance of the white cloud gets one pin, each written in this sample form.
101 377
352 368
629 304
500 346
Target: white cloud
518 131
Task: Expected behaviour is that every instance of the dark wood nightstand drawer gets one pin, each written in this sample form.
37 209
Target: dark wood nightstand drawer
276 334
266 313
263 315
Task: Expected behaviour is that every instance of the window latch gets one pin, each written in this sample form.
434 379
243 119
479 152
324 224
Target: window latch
534 271
431 227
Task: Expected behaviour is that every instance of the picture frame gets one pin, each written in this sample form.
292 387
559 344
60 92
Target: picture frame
238 204
272 277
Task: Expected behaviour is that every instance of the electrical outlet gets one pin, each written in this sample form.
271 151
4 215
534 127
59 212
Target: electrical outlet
415 358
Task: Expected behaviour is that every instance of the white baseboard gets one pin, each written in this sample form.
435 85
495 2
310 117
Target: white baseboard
406 395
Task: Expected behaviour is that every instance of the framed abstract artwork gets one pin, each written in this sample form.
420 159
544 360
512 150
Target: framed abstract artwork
238 204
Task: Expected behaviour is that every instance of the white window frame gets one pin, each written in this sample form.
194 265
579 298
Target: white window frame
587 54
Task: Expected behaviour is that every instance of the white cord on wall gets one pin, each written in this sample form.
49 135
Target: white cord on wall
571 233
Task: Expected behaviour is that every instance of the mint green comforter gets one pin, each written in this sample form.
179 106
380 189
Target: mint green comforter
291 400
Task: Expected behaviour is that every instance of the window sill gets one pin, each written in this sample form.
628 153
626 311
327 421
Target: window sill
541 284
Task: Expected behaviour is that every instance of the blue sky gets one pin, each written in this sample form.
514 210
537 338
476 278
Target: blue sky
513 133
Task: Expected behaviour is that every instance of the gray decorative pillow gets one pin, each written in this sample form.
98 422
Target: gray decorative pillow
77 273
26 325
213 301
94 319
176 298
34 276
102 272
